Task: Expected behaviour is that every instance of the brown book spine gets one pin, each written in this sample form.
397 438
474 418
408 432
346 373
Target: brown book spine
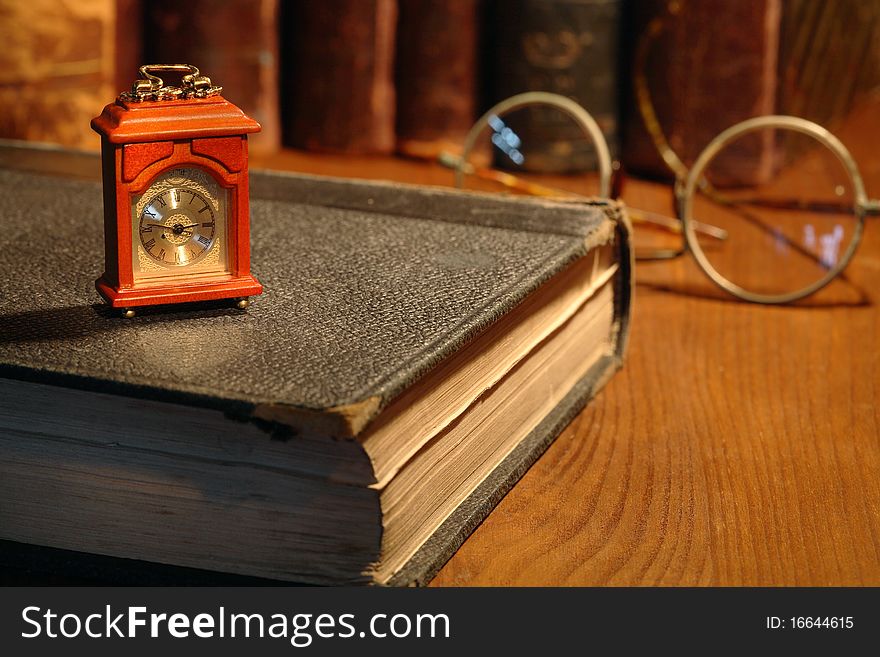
235 43
339 75
568 47
59 65
709 65
436 75
825 88
129 43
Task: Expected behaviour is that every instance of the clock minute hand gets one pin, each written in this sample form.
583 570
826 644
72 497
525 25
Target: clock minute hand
172 227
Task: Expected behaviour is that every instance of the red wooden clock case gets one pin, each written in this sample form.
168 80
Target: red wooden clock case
142 140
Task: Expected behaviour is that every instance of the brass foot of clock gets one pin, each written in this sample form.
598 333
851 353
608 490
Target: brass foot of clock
127 313
241 304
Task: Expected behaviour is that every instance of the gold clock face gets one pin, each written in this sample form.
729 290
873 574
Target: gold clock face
179 227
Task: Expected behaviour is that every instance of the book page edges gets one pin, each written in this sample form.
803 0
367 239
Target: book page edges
347 421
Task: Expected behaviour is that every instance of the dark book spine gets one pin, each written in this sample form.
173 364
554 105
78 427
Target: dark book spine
61 63
338 77
568 47
436 75
129 42
235 43
705 67
825 88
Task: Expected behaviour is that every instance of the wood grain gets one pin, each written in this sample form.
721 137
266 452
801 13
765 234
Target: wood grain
740 444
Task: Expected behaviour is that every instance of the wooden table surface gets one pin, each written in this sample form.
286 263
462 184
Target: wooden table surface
739 445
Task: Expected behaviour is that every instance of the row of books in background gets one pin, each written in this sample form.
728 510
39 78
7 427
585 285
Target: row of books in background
410 76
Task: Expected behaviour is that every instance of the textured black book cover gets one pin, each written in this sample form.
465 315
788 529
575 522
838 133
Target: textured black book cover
368 286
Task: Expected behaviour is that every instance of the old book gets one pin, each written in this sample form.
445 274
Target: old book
706 66
415 350
436 75
829 58
61 60
338 75
568 47
234 42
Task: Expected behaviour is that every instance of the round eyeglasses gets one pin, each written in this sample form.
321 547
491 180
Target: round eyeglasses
772 209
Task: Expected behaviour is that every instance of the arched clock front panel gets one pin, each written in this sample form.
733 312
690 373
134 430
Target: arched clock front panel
180 227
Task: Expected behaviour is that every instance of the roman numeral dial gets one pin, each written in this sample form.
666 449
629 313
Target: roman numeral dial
178 226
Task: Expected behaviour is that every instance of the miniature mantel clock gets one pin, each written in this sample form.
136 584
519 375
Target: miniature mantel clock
176 216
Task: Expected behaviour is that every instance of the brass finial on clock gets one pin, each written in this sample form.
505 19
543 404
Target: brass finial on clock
152 87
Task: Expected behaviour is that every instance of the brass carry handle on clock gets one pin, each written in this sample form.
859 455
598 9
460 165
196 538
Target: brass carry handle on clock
152 87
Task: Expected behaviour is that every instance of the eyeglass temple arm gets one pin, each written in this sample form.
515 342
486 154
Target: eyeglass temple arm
819 207
674 225
638 216
455 163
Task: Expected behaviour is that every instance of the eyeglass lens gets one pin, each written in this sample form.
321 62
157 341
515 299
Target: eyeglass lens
787 205
536 149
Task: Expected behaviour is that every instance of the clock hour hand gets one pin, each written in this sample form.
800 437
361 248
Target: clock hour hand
172 227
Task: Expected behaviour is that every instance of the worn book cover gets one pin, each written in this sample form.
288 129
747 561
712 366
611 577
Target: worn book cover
337 75
61 60
258 443
704 66
567 47
436 75
236 42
